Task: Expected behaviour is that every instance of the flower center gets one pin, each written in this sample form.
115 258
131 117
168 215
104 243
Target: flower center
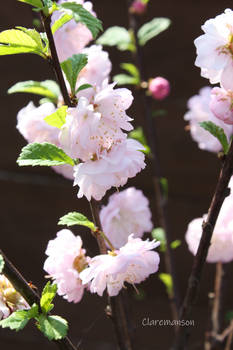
80 263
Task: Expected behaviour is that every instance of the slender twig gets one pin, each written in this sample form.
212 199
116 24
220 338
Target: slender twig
161 212
22 287
221 192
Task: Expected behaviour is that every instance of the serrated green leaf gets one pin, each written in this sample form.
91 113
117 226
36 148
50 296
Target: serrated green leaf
15 41
218 132
164 185
48 294
81 15
72 67
47 88
61 21
34 35
138 134
75 218
83 87
53 327
175 244
2 263
167 281
117 36
159 234
58 118
131 69
124 79
19 319
36 3
151 29
43 154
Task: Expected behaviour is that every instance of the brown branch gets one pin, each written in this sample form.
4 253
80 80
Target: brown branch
221 192
161 211
22 287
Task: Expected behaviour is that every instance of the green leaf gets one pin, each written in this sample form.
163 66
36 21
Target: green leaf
53 327
48 294
164 185
36 3
218 133
175 244
124 79
14 41
19 319
75 218
167 281
229 315
131 69
72 67
44 154
61 21
83 87
117 36
47 88
2 263
138 134
151 29
81 15
58 118
34 35
159 113
159 234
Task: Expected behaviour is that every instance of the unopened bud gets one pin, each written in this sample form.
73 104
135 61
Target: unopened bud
159 88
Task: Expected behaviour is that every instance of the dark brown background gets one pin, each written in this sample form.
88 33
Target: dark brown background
33 199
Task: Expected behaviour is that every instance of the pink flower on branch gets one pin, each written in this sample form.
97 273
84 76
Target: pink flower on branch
221 104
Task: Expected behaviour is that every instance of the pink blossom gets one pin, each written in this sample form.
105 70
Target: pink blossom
10 299
221 104
113 168
127 211
138 7
221 248
214 47
66 259
72 37
133 263
159 88
199 111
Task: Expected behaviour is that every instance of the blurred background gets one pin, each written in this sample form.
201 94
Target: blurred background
33 199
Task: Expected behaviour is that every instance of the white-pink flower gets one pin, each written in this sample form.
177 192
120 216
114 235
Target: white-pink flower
72 37
221 104
112 169
126 212
10 299
215 47
133 263
199 111
66 259
221 248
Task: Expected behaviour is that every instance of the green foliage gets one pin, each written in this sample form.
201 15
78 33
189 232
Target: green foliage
138 134
229 315
58 118
159 235
167 281
47 88
164 185
218 133
63 19
117 36
35 3
23 40
75 218
43 154
151 29
2 263
159 113
124 79
48 294
81 15
19 319
83 87
53 327
72 67
175 244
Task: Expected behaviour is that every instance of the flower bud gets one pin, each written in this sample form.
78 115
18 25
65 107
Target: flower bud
221 104
159 88
138 7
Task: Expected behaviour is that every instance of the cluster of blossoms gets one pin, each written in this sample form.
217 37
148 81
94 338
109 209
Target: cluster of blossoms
10 300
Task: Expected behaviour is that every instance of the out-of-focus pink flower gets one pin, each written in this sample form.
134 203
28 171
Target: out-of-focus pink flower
159 88
10 299
126 212
72 37
199 111
133 263
66 259
221 248
138 7
112 169
221 104
215 47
